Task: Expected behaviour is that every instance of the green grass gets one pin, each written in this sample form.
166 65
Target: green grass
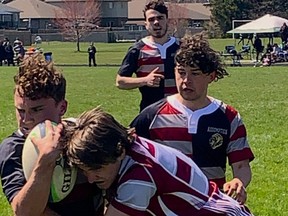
259 94
65 53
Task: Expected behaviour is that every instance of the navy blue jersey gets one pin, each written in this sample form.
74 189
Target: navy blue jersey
79 202
143 57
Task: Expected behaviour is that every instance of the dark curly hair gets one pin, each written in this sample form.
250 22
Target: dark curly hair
196 52
38 79
157 5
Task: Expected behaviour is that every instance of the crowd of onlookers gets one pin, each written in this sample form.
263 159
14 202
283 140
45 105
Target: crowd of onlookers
11 53
265 55
275 53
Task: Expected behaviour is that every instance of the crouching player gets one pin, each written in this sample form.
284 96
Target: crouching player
149 178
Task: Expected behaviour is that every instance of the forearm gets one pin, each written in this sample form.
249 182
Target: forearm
243 173
130 82
33 197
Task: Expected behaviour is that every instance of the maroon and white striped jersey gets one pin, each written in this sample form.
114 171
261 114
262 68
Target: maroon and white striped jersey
209 135
158 180
144 57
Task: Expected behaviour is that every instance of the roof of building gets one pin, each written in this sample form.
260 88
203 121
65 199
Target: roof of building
8 9
34 9
194 11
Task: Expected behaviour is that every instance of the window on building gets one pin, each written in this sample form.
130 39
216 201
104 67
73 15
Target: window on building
111 5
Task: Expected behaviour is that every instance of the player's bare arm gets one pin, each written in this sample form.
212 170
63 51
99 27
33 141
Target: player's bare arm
33 197
152 80
242 177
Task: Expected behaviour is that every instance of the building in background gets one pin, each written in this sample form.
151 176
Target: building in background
9 17
193 14
35 14
114 13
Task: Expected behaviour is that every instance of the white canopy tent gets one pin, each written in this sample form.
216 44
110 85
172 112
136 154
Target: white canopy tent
265 24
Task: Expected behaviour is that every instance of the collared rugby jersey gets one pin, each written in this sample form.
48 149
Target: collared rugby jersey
142 58
158 180
207 135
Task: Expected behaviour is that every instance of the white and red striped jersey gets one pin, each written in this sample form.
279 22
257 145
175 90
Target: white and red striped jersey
209 136
144 57
158 180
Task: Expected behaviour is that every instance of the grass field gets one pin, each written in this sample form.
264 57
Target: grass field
259 94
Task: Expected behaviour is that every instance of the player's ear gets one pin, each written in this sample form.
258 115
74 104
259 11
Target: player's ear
212 76
63 107
145 23
122 156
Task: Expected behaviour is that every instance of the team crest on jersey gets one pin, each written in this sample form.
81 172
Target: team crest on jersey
216 140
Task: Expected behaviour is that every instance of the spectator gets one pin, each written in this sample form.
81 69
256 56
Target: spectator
9 52
39 94
274 54
202 127
258 47
151 58
266 58
37 40
146 178
250 38
6 41
92 55
284 33
19 52
17 42
241 39
2 53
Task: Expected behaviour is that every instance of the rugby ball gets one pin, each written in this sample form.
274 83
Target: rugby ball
64 176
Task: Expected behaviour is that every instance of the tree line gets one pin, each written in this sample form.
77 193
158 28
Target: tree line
225 11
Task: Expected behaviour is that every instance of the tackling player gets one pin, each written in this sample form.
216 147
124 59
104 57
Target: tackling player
148 178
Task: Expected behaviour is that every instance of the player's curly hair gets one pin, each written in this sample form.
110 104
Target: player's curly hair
38 79
196 52
157 5
96 139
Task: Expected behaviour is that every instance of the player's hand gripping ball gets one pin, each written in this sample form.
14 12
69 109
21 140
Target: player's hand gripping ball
64 176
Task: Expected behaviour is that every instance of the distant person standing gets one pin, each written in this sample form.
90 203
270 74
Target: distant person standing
2 53
151 58
6 41
92 54
17 42
258 47
37 40
250 38
241 39
284 33
19 53
9 54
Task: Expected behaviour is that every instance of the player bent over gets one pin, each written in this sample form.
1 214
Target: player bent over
149 178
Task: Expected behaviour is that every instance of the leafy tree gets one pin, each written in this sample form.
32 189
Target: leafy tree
274 7
224 11
76 19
